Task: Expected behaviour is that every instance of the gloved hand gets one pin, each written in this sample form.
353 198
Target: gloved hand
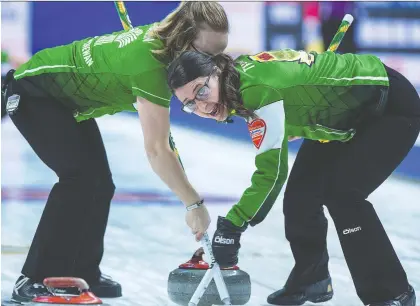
225 242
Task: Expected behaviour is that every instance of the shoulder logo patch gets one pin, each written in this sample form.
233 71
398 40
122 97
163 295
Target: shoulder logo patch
286 55
263 57
257 129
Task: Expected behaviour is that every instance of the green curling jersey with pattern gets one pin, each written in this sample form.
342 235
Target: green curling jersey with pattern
100 75
294 93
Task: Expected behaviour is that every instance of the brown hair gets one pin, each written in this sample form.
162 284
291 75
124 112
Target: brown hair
229 81
191 65
180 28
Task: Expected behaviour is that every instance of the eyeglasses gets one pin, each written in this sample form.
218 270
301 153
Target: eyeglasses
190 107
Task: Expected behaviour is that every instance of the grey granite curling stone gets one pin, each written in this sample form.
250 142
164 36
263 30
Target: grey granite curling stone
183 282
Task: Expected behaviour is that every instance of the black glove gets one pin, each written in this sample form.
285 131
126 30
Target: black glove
225 242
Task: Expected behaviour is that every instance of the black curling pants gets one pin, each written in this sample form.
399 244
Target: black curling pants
341 176
69 240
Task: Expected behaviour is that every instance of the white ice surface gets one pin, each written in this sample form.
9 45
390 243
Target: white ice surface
145 242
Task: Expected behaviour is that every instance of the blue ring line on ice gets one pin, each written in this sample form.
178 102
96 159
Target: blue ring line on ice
124 197
135 197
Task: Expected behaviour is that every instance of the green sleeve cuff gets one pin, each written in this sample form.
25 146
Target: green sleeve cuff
234 216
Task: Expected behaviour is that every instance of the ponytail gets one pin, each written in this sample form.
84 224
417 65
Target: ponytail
229 81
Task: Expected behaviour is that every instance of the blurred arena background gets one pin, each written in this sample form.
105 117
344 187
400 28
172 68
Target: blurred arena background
390 30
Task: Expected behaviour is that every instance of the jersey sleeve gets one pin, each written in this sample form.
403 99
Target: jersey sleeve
152 86
256 96
267 132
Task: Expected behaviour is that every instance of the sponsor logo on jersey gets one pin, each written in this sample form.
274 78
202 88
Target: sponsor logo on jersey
87 56
245 66
122 39
128 37
300 57
257 129
221 240
263 57
351 230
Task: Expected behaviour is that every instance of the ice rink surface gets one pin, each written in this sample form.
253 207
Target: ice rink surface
147 236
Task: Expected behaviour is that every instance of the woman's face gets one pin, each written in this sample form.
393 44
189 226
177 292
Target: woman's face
202 97
210 42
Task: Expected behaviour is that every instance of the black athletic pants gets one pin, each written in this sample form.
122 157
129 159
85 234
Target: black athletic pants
341 176
69 238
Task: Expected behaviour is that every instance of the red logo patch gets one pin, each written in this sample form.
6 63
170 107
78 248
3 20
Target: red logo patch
263 57
257 130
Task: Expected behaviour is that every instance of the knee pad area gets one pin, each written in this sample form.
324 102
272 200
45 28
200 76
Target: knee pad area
339 197
90 183
348 208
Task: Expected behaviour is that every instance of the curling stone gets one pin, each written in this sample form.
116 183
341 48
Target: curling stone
183 282
85 297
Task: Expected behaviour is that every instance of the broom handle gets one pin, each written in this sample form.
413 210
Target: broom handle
212 272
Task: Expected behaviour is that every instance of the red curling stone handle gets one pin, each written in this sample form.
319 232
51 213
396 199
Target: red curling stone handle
63 282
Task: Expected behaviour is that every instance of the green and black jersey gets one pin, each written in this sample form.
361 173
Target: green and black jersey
101 75
314 96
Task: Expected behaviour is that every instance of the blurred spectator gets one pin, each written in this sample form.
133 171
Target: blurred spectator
311 27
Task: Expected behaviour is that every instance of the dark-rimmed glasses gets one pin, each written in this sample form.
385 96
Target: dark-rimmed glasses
190 107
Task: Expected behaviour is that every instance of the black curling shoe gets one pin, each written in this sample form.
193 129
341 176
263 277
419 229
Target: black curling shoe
408 298
321 291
